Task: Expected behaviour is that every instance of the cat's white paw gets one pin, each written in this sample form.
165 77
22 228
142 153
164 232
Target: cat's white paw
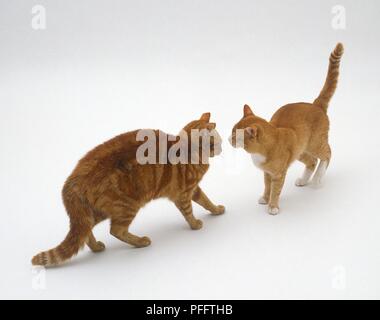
319 174
262 200
273 210
300 182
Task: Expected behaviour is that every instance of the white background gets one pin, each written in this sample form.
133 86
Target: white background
106 67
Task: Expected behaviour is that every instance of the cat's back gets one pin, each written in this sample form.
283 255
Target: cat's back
108 155
297 115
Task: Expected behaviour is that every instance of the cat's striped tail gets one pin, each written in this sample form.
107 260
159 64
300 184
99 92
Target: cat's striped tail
332 79
81 223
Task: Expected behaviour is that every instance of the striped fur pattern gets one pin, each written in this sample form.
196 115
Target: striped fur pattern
108 183
297 131
331 83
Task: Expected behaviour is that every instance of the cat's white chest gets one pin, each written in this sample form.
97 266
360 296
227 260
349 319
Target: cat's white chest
258 159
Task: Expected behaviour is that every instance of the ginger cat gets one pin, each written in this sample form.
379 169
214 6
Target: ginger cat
108 183
296 131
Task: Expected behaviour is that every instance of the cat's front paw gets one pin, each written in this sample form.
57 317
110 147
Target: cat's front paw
263 200
301 182
273 210
196 225
219 210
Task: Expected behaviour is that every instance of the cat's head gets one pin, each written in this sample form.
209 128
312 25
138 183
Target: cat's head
251 133
203 134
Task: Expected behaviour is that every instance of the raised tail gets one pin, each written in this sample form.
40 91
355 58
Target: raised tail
332 79
81 223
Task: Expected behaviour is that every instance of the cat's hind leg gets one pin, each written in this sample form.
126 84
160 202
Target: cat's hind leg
122 215
120 230
92 243
310 165
200 197
324 154
95 246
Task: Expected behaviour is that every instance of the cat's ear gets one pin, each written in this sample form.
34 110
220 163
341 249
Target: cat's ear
252 131
248 111
211 126
206 117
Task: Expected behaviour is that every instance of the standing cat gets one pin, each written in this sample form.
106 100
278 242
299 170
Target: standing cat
109 183
296 131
